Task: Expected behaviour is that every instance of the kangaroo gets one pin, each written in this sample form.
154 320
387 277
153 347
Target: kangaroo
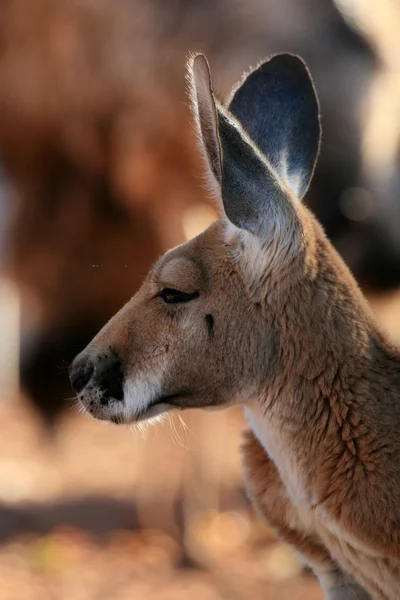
260 310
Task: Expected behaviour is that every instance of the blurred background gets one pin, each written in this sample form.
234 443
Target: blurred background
99 175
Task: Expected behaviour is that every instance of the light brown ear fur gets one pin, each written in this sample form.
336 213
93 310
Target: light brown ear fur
206 119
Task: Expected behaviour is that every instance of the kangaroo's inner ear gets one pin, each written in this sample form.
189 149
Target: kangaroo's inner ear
252 194
278 107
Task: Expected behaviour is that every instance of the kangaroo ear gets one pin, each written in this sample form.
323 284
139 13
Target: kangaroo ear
239 174
204 107
278 107
255 196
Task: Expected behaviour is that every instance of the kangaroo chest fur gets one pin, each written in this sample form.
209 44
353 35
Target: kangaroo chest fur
304 513
294 475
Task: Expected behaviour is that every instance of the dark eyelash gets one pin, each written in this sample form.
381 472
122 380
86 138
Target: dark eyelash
171 296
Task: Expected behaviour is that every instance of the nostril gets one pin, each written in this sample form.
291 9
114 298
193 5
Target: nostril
81 377
111 381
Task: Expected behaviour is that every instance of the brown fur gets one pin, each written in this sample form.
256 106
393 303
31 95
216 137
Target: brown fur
292 338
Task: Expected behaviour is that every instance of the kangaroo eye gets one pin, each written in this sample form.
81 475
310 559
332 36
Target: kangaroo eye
171 296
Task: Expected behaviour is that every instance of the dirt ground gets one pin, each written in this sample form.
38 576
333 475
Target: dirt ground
77 522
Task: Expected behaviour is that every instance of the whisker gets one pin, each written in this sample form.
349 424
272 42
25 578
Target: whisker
176 436
185 425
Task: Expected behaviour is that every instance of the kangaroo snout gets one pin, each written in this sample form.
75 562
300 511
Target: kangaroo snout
97 379
80 373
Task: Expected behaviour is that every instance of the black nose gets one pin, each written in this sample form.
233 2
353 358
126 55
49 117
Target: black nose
80 374
103 371
110 380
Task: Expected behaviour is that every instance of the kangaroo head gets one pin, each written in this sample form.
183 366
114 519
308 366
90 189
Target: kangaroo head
202 330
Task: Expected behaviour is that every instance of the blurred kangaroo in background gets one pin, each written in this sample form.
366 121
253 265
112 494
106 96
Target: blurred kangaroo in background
260 310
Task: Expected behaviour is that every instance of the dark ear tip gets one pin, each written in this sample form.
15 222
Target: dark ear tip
294 68
287 57
292 64
286 66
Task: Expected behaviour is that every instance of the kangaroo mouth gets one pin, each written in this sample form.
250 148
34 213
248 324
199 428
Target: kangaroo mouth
103 407
156 408
166 403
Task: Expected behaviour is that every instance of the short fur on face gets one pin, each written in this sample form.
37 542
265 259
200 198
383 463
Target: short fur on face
260 310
